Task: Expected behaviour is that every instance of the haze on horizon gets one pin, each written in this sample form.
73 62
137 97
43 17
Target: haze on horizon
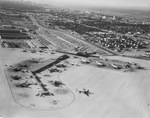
96 3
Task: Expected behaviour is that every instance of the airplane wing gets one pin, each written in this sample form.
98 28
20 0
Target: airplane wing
88 93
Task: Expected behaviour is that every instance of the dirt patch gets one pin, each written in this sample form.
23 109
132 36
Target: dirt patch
61 91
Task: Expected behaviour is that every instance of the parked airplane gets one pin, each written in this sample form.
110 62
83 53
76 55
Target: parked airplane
103 58
25 84
116 66
74 63
35 60
140 67
23 65
84 91
25 50
33 51
100 64
56 83
44 93
17 69
61 66
54 70
132 63
16 77
85 61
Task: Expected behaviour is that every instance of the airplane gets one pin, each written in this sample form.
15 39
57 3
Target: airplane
74 63
44 93
16 77
47 75
132 63
84 91
61 66
24 71
140 67
23 65
127 66
56 83
85 61
25 84
116 66
54 70
100 64
24 50
77 48
103 58
33 51
17 69
35 60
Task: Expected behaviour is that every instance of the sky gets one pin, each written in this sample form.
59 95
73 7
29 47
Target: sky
109 3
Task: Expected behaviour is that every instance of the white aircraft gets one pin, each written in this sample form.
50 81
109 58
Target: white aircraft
102 58
99 63
85 61
132 63
35 60
115 66
74 63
